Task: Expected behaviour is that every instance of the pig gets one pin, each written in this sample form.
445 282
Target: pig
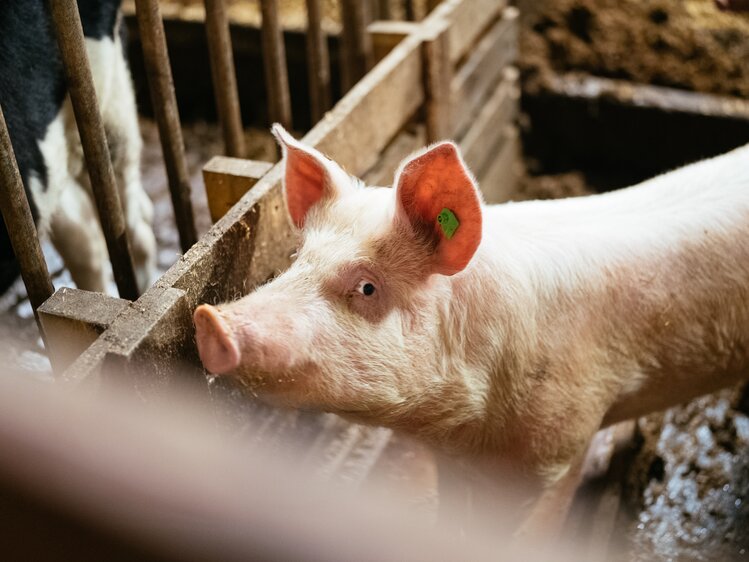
45 140
503 334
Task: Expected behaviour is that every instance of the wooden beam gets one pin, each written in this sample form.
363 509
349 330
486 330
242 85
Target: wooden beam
475 79
411 139
499 182
387 34
500 111
438 76
468 20
228 179
72 320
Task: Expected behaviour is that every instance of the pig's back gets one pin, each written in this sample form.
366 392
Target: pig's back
653 278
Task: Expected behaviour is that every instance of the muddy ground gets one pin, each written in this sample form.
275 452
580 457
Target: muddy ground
687 44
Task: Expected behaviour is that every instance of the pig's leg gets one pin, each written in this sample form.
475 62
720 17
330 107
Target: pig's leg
120 117
77 235
549 512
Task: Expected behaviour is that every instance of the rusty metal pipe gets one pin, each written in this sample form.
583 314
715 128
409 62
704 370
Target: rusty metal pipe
224 77
274 61
67 24
20 225
356 44
164 102
318 62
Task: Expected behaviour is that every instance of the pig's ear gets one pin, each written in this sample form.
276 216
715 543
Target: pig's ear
438 196
309 176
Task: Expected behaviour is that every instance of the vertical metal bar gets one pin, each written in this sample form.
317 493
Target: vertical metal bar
67 23
318 62
357 50
20 225
274 61
164 103
224 77
409 10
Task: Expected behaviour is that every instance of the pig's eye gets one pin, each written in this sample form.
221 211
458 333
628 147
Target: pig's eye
365 288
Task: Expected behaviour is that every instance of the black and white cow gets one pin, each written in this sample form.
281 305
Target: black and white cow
45 140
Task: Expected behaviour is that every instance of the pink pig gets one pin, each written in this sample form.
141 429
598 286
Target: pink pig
505 333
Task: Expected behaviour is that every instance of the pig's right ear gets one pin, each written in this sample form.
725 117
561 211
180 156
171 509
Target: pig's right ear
438 196
309 176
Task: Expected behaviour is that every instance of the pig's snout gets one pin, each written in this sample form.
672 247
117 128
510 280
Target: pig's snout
217 348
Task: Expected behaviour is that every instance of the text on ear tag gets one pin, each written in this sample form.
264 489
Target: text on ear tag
449 222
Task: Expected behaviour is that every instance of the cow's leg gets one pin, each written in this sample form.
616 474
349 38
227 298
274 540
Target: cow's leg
77 236
120 116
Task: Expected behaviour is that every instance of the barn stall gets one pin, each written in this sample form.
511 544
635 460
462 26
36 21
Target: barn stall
452 74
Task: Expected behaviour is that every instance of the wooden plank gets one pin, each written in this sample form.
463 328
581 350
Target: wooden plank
499 182
490 123
469 19
438 75
371 114
408 141
387 34
482 70
227 179
73 319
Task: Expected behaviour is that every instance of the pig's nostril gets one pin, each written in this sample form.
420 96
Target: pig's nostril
216 346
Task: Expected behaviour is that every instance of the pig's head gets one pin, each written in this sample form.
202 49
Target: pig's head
357 324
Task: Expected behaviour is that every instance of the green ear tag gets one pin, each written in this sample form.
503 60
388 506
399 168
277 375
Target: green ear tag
449 222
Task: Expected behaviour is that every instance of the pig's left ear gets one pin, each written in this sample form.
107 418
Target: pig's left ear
309 176
438 196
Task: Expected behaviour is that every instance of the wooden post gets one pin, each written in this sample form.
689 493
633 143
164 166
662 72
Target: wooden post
224 77
20 225
318 62
69 31
73 319
356 46
438 71
409 10
164 103
274 61
227 179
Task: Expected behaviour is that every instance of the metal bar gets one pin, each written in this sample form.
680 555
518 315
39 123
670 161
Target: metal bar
20 225
67 24
318 62
224 77
274 61
164 103
358 57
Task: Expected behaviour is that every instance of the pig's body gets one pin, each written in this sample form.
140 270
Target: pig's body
515 338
